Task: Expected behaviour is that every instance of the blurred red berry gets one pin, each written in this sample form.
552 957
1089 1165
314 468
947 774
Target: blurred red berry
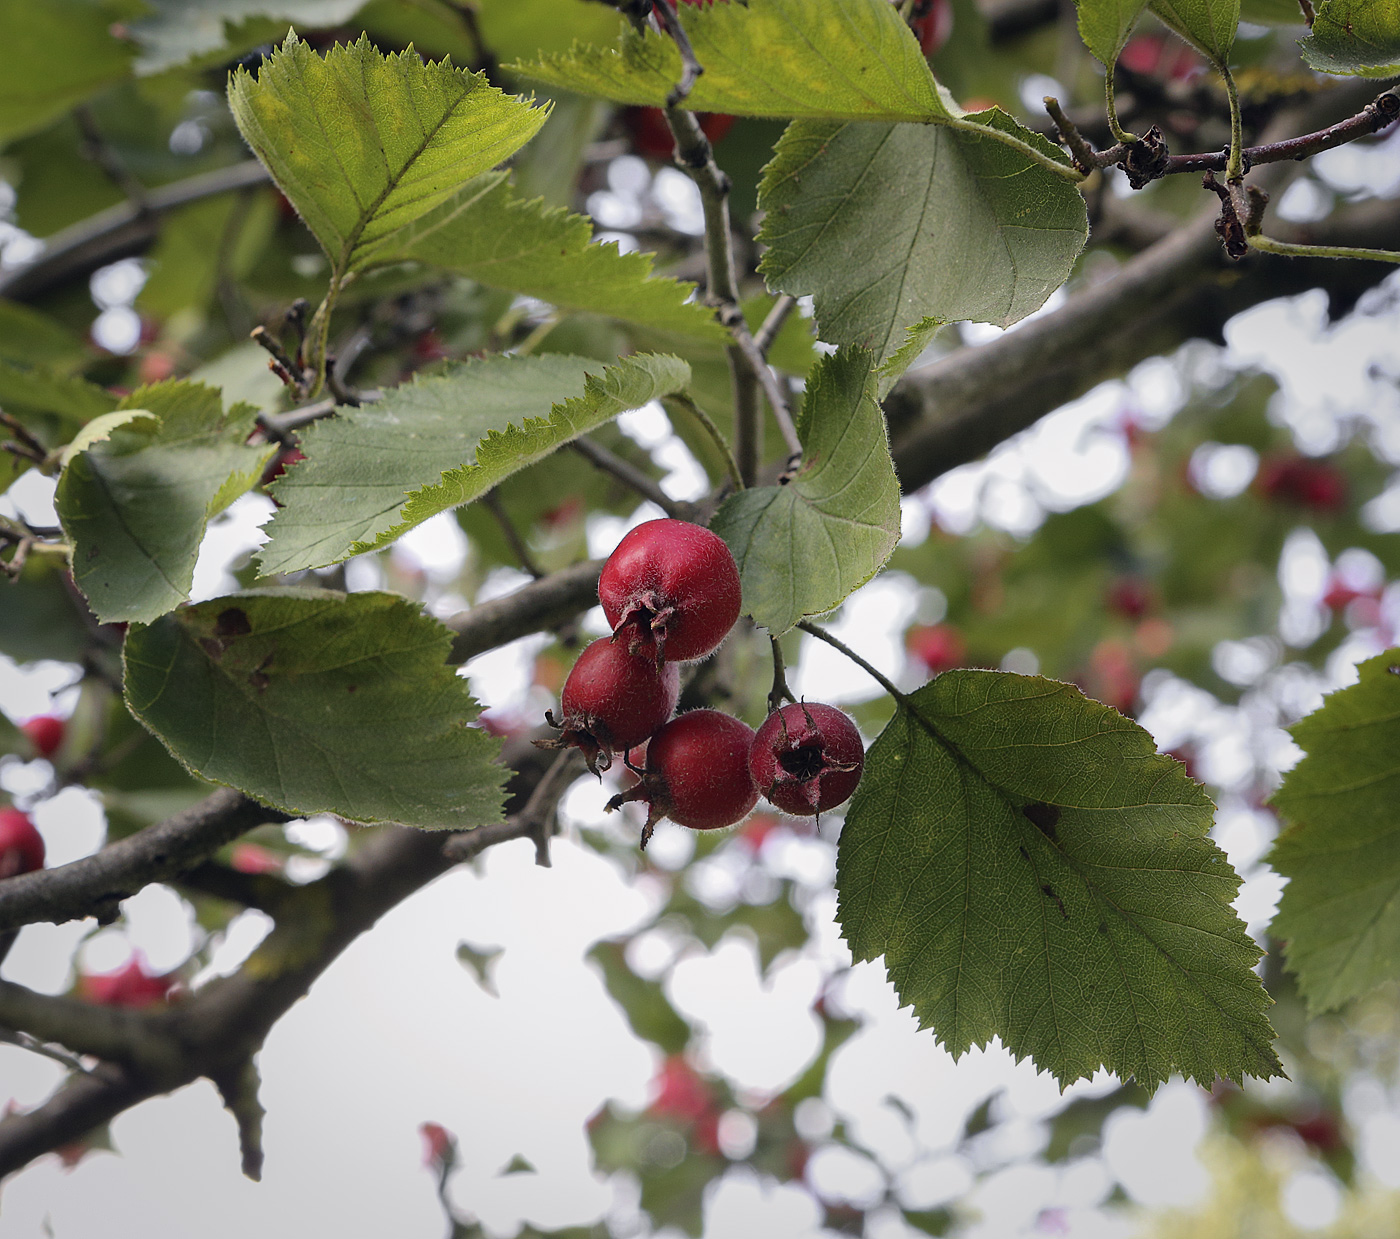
753 832
250 858
130 986
681 1092
439 1145
651 135
1303 481
932 23
938 646
1322 1130
1130 597
45 732
21 846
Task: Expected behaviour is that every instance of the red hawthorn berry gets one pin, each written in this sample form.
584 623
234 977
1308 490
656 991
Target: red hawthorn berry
939 647
45 732
21 846
1130 597
251 858
1303 481
612 700
681 1092
129 986
697 773
756 830
807 758
932 23
671 590
439 1145
1322 1130
651 135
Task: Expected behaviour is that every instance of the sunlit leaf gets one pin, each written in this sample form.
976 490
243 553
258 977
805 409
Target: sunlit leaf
374 472
134 503
1355 37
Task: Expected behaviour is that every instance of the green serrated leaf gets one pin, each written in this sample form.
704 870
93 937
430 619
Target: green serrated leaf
375 150
318 702
134 504
1032 869
828 59
1357 38
888 226
176 31
57 54
1105 25
1209 25
1340 912
545 252
374 472
805 547
100 429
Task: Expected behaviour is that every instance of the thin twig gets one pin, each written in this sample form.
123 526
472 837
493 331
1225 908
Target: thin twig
780 692
491 501
25 1042
100 151
884 681
691 68
96 885
629 475
119 230
768 381
716 435
768 332
695 157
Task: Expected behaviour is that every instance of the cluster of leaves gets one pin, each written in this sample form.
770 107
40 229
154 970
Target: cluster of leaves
1027 865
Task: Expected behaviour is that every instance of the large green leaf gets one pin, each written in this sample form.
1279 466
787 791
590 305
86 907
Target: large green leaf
72 400
1340 913
805 547
374 150
318 702
374 472
32 338
1355 37
134 505
891 226
1209 24
57 53
829 59
545 252
177 30
1105 25
1032 869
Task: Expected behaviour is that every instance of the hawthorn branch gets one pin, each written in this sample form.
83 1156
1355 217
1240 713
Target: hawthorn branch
696 159
119 231
96 885
546 603
215 1032
629 475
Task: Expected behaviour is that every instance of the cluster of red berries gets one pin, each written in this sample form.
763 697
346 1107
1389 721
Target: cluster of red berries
670 591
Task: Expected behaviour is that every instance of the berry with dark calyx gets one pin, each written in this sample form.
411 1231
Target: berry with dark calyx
697 773
807 758
670 590
612 700
21 846
45 732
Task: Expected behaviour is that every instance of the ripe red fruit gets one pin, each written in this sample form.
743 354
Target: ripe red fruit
681 1092
939 647
130 986
807 758
697 773
439 1145
932 23
21 846
673 587
612 700
1308 483
651 135
1131 597
45 732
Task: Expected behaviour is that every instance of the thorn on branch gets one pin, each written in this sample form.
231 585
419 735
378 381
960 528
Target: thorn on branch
239 1089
